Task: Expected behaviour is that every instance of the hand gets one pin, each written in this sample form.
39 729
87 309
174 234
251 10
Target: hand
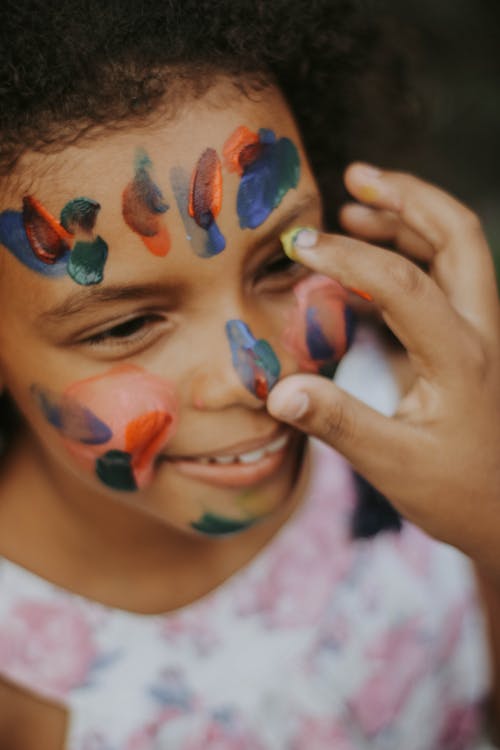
438 458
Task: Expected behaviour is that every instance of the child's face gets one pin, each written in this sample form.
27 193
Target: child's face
148 309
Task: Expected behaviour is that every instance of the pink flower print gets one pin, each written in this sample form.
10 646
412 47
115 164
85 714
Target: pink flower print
461 724
307 564
320 734
400 659
47 644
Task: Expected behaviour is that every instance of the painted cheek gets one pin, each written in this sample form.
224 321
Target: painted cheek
254 360
318 330
115 424
269 167
143 205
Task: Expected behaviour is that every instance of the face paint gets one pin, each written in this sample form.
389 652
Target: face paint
179 180
137 416
216 525
48 239
205 200
254 359
269 168
42 244
13 236
73 420
89 255
142 207
319 328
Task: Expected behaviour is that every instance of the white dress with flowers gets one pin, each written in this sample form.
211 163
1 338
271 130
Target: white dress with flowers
320 643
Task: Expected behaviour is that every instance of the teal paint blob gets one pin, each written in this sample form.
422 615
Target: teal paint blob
87 260
215 525
80 213
114 469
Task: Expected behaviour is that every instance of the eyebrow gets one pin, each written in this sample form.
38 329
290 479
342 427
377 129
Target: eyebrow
81 301
85 299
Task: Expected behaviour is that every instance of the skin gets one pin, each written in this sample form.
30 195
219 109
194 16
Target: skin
437 458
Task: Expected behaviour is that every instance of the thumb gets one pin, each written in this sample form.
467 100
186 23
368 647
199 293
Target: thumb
313 404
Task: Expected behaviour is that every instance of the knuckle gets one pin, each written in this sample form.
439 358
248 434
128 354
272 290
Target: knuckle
337 424
406 276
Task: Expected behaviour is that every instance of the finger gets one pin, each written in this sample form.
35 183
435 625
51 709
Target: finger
384 226
462 263
379 447
411 304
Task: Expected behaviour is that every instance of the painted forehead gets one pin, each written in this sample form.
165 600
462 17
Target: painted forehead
267 165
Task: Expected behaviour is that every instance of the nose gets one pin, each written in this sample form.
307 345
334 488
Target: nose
240 372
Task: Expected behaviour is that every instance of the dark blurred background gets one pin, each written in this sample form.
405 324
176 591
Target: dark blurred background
457 45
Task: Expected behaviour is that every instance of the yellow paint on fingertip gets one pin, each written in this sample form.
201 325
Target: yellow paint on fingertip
287 239
368 194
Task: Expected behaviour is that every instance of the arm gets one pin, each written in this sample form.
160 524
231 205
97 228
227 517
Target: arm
491 598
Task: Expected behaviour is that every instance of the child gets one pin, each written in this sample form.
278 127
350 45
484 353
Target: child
178 564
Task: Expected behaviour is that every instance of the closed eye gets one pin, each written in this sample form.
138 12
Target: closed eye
131 330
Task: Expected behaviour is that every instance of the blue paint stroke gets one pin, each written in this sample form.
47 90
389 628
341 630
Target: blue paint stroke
318 345
13 236
75 421
266 180
253 359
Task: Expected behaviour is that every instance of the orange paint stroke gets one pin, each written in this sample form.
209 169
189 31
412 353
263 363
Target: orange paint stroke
47 237
240 149
145 435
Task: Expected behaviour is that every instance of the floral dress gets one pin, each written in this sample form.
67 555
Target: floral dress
322 642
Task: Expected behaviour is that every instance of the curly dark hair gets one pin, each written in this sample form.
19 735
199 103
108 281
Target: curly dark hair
71 69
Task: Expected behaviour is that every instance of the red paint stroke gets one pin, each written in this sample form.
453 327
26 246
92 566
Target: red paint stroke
205 192
149 226
145 435
48 239
261 389
242 148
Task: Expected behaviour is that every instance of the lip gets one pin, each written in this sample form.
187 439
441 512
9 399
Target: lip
231 450
236 475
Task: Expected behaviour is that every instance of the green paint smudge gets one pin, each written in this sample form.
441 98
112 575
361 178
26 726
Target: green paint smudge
87 260
114 468
215 525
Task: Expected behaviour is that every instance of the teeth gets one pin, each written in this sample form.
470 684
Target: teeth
252 456
277 444
224 459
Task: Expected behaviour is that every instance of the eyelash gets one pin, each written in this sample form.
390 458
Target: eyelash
133 329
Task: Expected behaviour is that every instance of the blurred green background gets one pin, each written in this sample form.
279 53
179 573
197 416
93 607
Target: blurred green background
458 68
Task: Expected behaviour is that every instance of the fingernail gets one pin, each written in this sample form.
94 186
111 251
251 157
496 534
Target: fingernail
373 186
298 237
294 407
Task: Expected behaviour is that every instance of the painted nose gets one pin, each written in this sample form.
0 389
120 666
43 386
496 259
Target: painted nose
247 372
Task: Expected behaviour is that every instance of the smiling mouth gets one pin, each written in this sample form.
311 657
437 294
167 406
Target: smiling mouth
235 469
